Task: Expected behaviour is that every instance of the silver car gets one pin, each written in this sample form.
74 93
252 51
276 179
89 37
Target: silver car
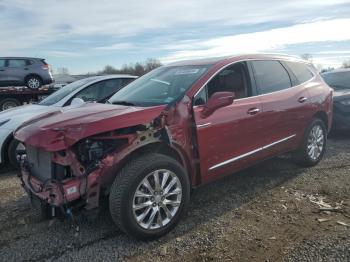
28 71
92 89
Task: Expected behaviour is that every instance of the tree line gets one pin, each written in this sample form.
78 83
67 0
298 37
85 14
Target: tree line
138 68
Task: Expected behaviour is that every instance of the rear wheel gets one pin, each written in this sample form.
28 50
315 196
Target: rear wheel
8 103
313 145
149 196
33 82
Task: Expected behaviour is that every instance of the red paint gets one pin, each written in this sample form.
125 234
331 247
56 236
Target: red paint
201 136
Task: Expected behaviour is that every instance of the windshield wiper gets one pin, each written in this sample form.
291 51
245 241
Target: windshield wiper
124 103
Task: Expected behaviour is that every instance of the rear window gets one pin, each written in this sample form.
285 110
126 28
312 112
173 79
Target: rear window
271 76
338 80
301 71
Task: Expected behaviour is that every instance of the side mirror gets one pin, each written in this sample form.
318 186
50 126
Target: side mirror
216 101
77 102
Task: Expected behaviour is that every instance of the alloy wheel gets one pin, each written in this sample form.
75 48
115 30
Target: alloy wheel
315 142
157 199
33 83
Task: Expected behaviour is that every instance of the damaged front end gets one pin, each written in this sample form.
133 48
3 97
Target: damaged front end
80 174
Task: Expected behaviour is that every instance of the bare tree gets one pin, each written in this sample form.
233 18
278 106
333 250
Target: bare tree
138 68
307 57
62 71
346 64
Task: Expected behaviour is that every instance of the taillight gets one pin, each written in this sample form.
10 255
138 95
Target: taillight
45 67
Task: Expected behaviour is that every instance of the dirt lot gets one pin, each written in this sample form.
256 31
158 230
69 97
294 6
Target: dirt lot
270 212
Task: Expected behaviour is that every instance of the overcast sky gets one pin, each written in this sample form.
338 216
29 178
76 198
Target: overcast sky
86 35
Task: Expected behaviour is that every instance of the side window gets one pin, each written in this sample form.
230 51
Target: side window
2 62
300 70
271 76
231 79
16 63
100 91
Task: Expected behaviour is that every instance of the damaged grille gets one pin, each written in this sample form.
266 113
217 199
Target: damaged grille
39 163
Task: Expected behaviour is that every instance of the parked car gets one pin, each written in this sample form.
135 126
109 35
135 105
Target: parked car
91 89
178 127
29 71
339 80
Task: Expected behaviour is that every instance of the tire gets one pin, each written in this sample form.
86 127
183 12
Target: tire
8 103
304 156
12 152
130 179
33 82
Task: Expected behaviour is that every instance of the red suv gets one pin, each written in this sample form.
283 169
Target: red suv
177 127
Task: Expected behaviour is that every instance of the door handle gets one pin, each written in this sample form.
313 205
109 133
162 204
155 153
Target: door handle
302 99
253 111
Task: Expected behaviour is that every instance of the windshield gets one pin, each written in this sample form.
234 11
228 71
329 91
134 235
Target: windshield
64 91
338 80
161 86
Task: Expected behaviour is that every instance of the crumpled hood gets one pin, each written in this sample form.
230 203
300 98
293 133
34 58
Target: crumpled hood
62 128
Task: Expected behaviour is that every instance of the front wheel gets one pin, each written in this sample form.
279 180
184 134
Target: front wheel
149 196
313 145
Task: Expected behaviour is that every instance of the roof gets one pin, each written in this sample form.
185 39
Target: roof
215 60
21 57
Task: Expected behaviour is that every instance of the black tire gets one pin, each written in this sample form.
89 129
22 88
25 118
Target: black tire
126 184
12 153
33 82
301 155
8 103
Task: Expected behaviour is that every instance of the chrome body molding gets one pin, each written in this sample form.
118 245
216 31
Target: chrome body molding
251 152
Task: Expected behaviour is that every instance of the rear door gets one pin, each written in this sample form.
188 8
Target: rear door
230 138
283 104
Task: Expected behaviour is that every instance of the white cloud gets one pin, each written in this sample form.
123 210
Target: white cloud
29 24
118 46
265 41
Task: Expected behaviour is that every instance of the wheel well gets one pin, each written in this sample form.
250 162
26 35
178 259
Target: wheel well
4 149
25 79
322 116
158 147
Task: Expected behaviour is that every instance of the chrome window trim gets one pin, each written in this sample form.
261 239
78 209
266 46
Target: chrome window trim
251 152
251 59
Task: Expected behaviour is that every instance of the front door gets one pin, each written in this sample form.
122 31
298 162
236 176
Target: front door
229 139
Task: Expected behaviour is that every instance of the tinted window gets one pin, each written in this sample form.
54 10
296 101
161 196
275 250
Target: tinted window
271 76
16 63
100 91
231 79
338 80
2 62
300 70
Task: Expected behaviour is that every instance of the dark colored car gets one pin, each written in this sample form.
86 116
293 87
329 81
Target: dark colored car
339 80
178 127
29 71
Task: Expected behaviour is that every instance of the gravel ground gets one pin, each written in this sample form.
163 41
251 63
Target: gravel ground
265 213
